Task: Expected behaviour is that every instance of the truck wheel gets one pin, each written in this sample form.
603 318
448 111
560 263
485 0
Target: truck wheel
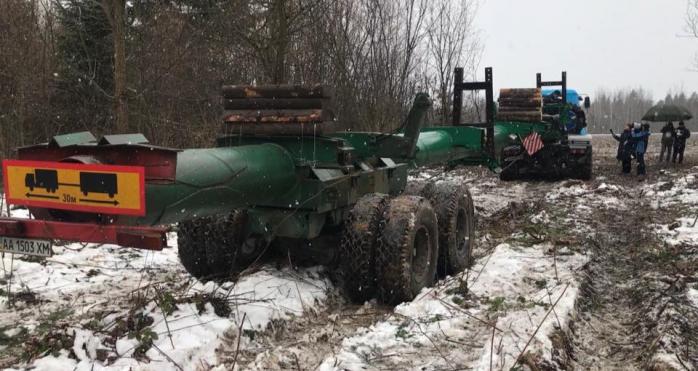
362 228
509 172
408 249
212 248
586 171
456 217
192 252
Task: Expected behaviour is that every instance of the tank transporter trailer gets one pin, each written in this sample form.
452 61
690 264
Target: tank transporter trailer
283 175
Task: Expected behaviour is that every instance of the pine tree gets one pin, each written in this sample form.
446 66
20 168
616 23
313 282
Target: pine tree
85 79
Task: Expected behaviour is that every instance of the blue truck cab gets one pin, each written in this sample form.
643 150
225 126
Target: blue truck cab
574 99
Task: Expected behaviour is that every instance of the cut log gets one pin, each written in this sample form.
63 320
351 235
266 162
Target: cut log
522 93
520 116
275 91
520 102
271 103
519 109
277 116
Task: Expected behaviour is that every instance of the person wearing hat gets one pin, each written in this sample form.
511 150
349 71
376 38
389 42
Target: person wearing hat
682 133
668 136
639 136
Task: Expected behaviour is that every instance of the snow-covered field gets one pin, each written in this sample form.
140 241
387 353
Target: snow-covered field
108 300
104 307
504 311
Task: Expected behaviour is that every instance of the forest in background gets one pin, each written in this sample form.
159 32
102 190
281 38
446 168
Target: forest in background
611 110
156 67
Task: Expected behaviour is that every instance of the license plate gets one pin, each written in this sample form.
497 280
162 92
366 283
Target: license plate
25 246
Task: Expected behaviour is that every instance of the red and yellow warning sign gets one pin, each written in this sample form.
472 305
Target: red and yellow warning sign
80 187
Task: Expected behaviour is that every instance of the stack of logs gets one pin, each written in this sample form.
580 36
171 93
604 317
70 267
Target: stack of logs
277 109
520 105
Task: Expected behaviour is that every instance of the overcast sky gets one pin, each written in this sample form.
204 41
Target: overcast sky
607 44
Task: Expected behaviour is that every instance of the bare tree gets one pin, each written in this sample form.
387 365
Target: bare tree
159 64
452 42
26 62
114 9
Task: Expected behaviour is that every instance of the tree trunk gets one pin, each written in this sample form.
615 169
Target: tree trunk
115 13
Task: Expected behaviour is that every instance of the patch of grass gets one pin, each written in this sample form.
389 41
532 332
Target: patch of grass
136 325
436 318
402 331
166 302
495 305
14 340
52 335
220 304
146 336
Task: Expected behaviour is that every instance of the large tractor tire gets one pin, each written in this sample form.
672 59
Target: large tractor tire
510 171
408 249
362 229
586 170
456 217
213 248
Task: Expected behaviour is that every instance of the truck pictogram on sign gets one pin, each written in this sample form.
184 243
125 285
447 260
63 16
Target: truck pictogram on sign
98 183
42 178
80 187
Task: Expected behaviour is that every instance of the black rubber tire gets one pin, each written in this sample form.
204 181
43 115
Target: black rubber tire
455 213
191 252
362 228
509 172
211 248
586 170
408 249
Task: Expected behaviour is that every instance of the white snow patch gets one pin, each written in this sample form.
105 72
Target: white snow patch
101 278
488 203
514 284
272 294
685 233
681 190
693 296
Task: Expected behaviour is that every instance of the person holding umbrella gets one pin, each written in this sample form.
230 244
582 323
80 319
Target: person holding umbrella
668 136
682 133
671 112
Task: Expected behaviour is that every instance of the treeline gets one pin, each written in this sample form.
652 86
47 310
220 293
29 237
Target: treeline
156 67
613 110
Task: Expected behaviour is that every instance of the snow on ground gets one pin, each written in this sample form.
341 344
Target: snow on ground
486 202
89 291
680 197
682 231
693 296
498 310
678 191
513 288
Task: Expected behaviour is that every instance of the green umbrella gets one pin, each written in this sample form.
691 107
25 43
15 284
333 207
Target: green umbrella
667 112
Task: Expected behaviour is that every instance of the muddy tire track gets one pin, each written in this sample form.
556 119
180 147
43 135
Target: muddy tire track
633 312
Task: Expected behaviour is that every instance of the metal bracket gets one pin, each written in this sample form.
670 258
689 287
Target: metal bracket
458 87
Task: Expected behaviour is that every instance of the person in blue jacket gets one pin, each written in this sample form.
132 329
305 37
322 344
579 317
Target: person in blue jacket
640 135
